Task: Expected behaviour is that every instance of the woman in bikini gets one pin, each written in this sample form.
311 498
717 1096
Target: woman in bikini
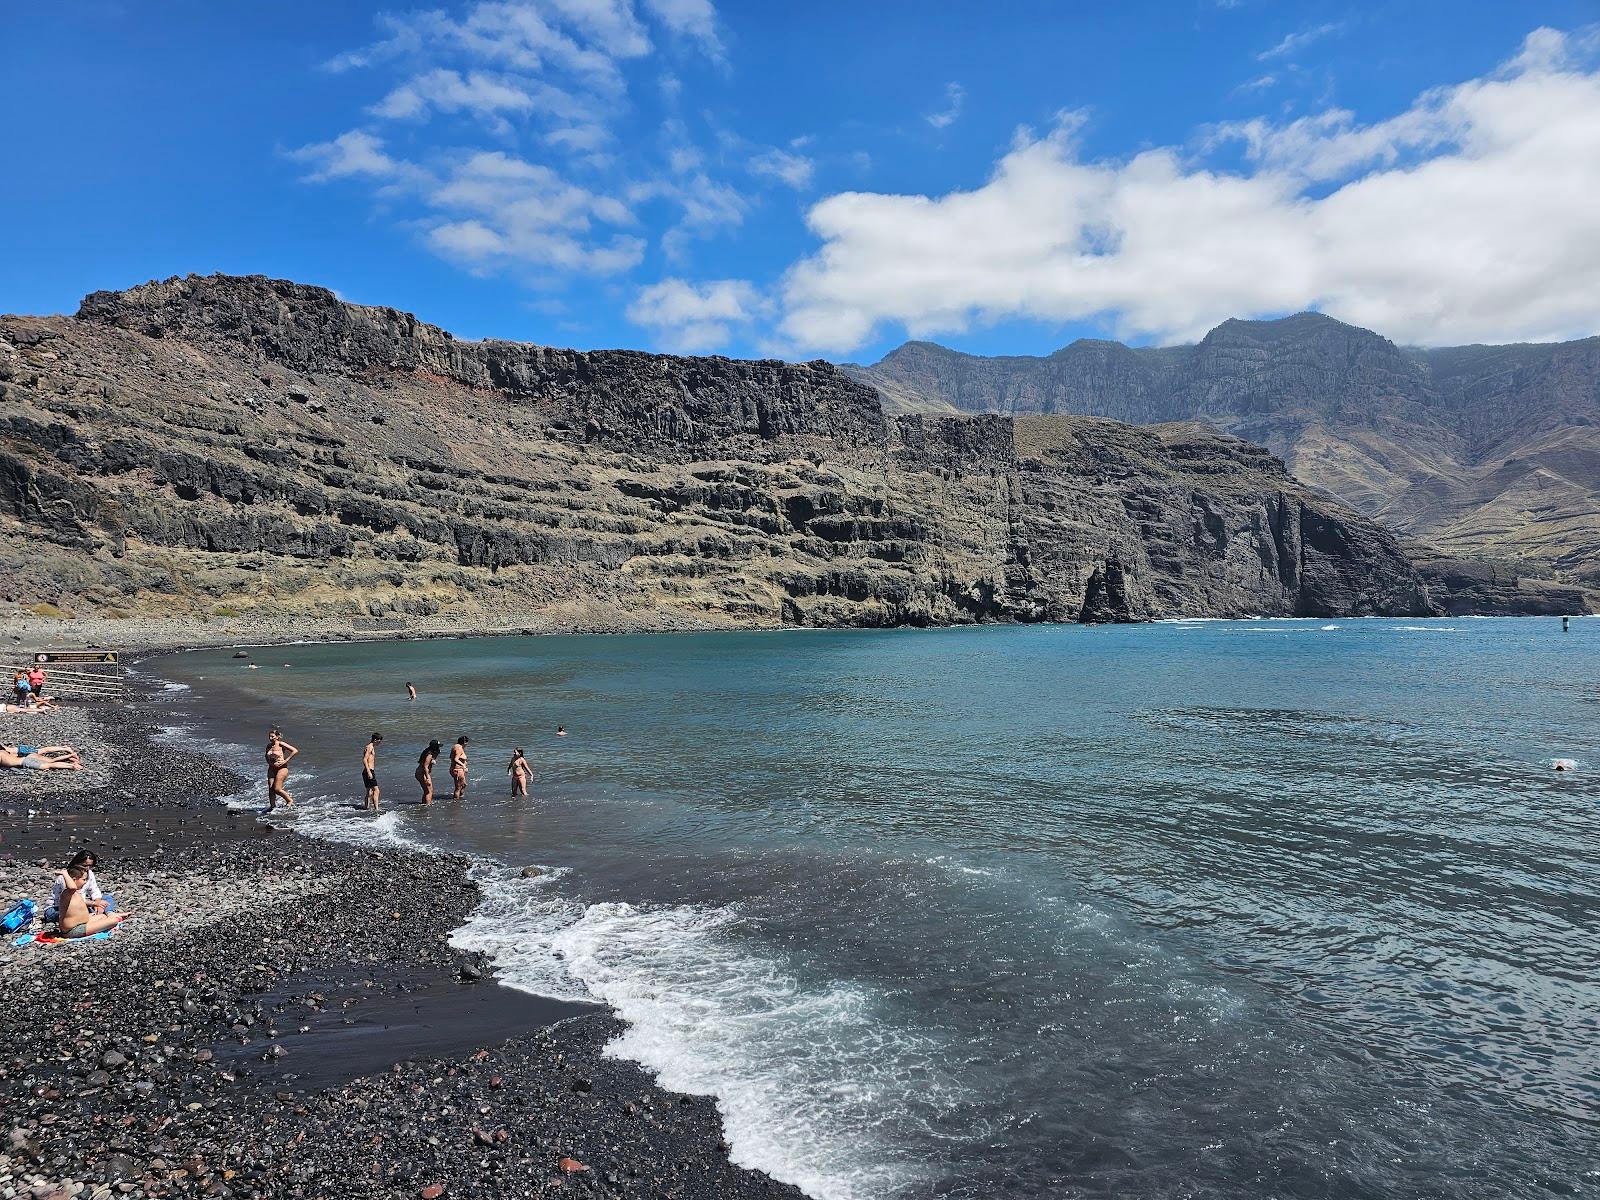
425 770
279 752
458 765
520 772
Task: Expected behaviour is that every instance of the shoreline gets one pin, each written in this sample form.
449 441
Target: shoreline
144 637
285 1015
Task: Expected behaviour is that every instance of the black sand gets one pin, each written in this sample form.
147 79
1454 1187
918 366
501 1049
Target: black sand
284 1017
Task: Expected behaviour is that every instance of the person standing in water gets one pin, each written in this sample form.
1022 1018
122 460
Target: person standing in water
425 769
369 770
520 773
411 690
279 753
458 765
1564 621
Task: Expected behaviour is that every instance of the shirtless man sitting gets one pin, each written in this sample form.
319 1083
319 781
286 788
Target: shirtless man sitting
76 920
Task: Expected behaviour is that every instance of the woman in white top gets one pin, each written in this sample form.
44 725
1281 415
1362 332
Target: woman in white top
98 900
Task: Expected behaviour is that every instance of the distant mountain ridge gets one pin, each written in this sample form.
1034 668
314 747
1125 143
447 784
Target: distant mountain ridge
1476 450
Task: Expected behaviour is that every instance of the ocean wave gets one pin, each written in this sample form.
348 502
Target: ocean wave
804 1074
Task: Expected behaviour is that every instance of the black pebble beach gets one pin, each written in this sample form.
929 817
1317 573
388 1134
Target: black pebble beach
284 1017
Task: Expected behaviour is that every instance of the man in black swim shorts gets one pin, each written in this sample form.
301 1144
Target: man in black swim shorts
369 771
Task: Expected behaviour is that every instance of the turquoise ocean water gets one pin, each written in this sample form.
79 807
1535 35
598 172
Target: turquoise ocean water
1199 909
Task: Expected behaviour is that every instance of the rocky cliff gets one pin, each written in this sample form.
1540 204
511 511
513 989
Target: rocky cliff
245 445
1476 451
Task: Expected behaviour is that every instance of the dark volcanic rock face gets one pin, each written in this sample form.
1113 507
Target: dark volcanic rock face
1478 450
248 445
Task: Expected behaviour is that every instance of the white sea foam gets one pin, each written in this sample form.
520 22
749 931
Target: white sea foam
802 1073
515 924
175 687
1325 628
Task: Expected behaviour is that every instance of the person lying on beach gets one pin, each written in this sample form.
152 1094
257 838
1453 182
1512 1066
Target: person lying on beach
458 765
425 769
75 920
369 770
98 901
520 773
34 705
40 758
279 752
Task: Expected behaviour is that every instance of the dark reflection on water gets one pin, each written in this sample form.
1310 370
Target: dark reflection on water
1256 909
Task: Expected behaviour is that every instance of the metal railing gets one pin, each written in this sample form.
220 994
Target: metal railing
75 676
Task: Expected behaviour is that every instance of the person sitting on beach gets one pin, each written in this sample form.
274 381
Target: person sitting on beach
369 770
98 901
458 765
40 758
279 752
75 920
425 769
520 773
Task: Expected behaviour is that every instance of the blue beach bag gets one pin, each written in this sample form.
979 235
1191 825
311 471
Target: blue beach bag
19 916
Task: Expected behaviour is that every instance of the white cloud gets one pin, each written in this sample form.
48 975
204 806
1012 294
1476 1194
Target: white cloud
611 24
1470 216
450 91
792 169
1295 42
692 317
556 67
517 35
694 20
955 96
514 211
355 154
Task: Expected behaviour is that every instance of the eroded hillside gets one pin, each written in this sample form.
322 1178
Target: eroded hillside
242 444
1477 451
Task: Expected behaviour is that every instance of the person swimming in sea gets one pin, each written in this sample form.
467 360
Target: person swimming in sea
425 769
369 770
279 754
458 765
411 690
561 731
520 773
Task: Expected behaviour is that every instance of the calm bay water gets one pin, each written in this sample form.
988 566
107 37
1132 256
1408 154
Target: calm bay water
1209 909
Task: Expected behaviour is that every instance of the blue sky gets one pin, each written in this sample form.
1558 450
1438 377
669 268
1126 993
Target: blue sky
821 179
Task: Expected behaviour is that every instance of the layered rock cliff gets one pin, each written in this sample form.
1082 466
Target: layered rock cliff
228 444
1478 451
